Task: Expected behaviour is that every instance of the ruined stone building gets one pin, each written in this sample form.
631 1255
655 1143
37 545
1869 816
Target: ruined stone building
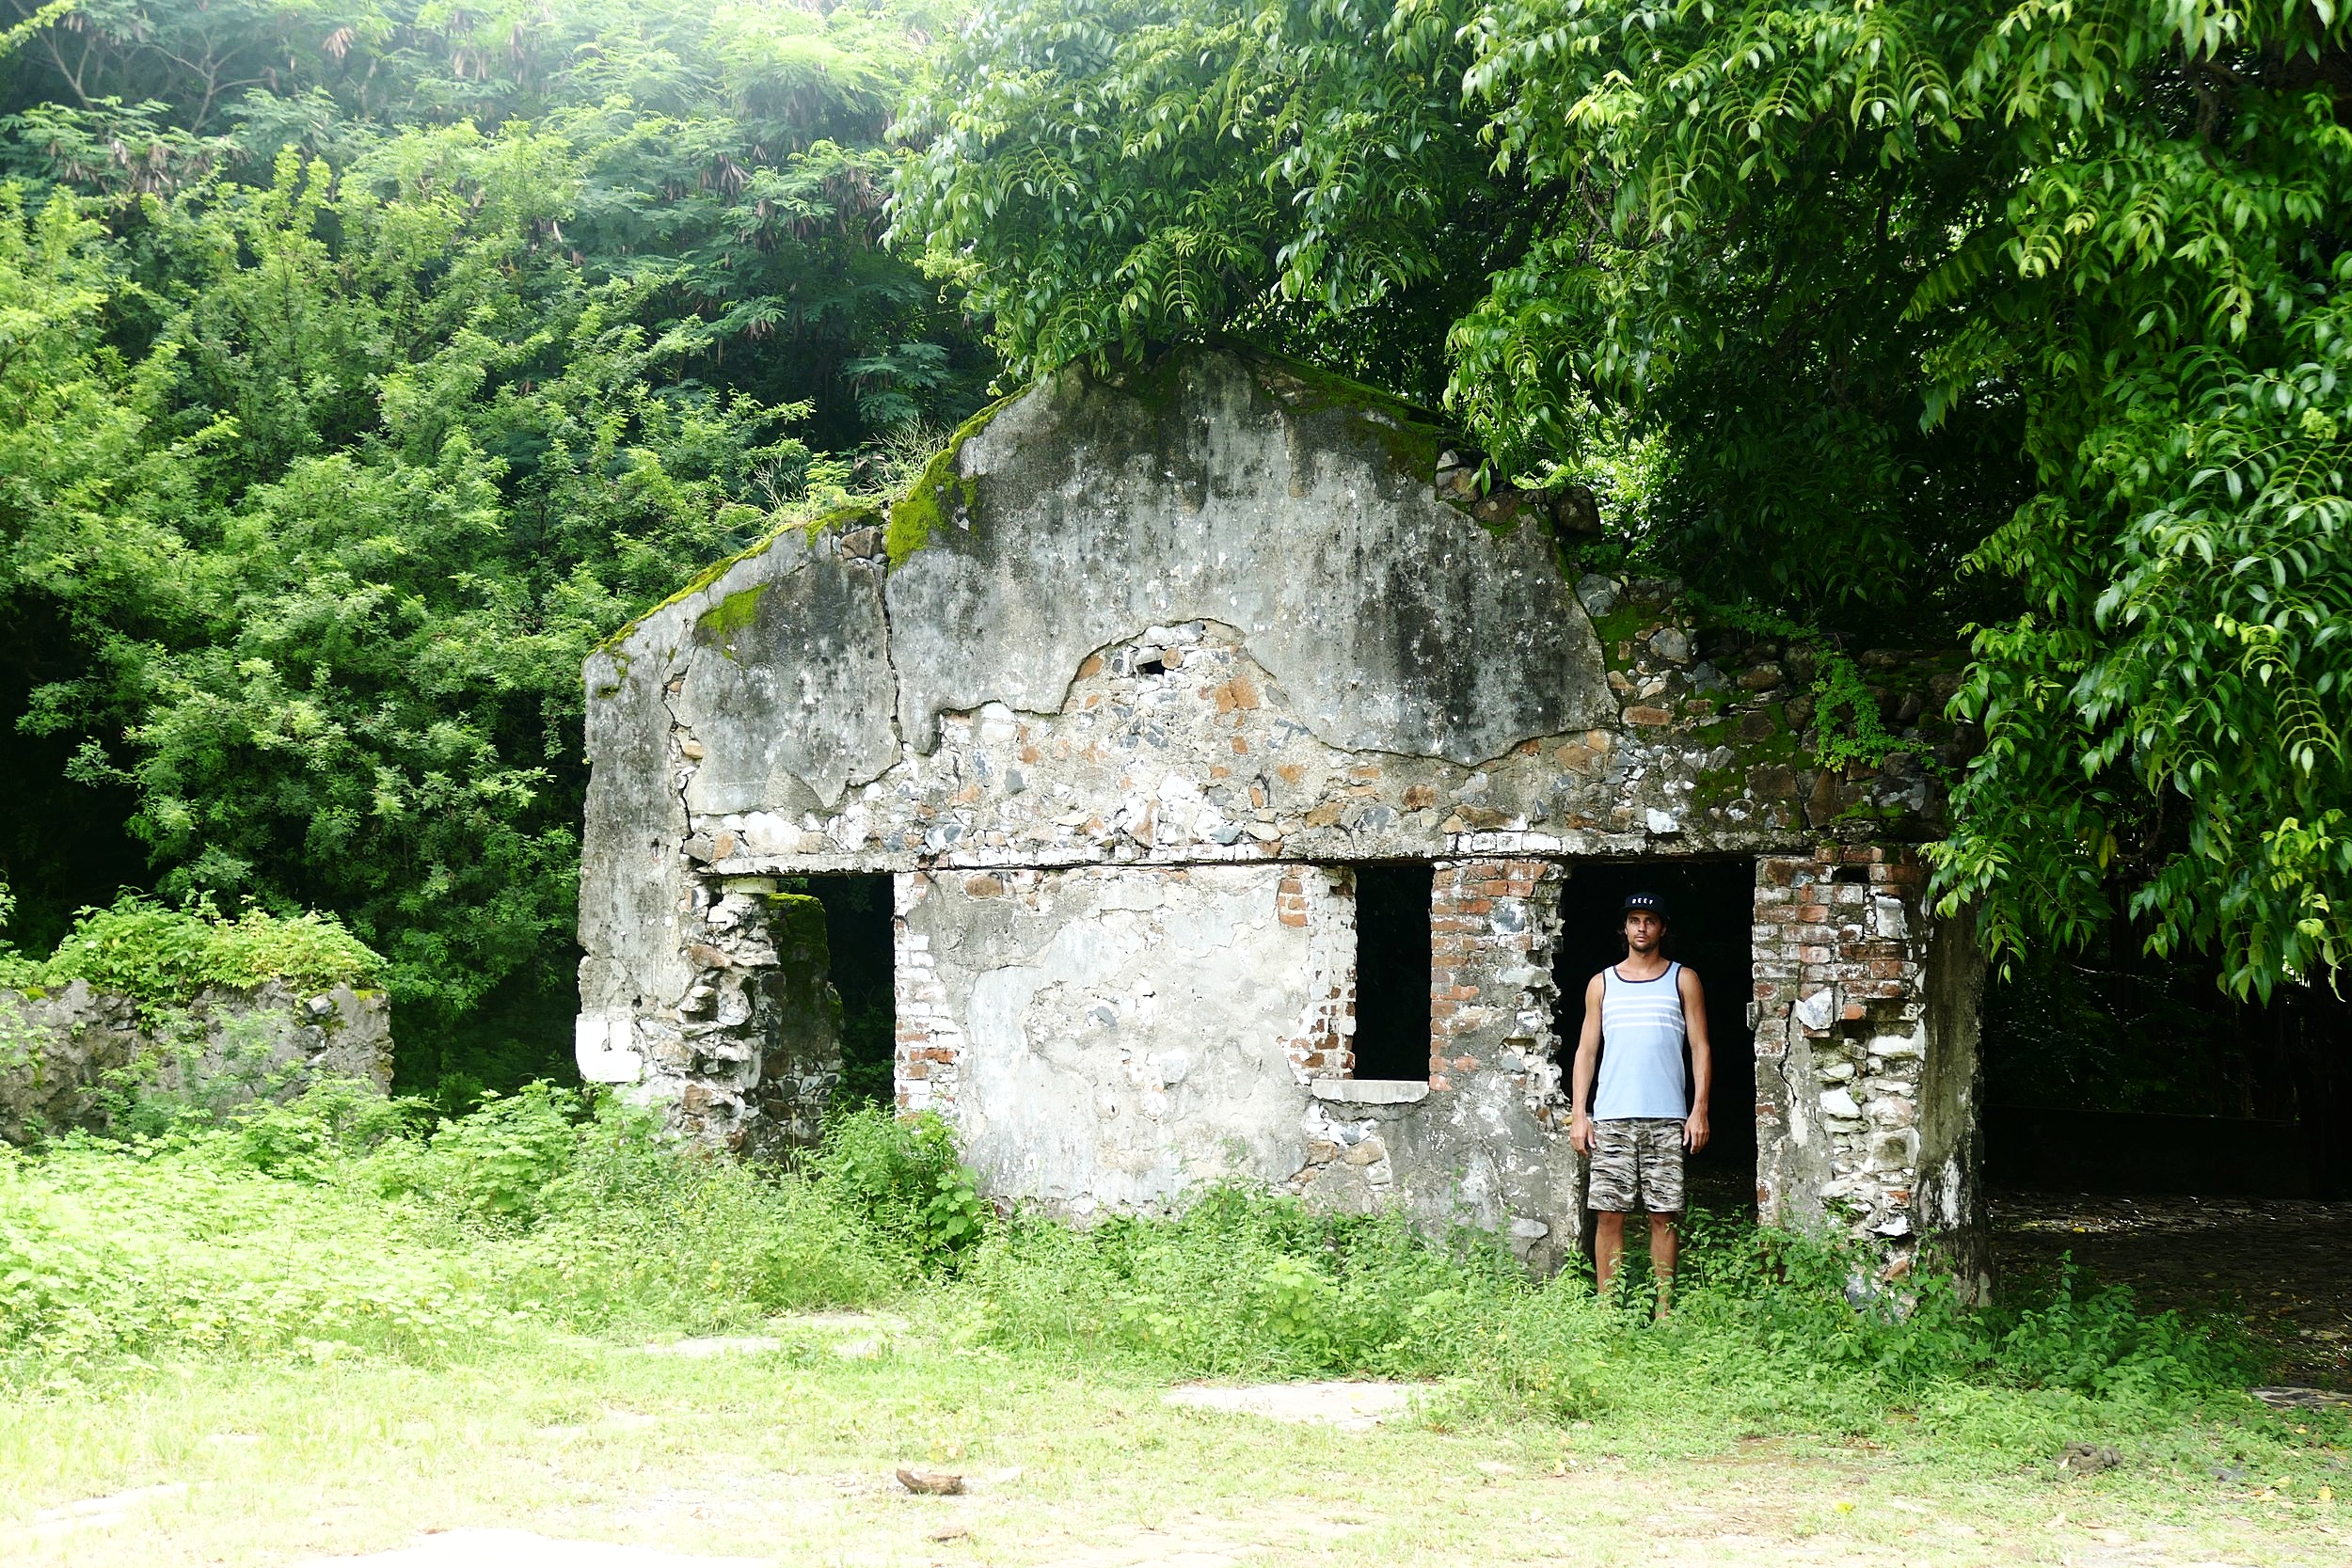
1248 786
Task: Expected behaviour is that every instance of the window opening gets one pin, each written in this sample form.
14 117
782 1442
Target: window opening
1392 972
858 933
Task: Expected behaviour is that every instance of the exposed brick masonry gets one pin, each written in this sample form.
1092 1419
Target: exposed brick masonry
1842 1041
930 1043
1492 925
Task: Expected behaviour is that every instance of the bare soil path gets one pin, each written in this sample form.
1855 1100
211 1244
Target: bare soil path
2282 1267
782 1450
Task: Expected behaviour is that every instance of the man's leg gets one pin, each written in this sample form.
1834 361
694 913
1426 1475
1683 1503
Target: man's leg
1665 1246
1612 1182
1608 1247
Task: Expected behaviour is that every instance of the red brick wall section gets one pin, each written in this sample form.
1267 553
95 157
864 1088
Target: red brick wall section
1322 900
1841 940
1493 925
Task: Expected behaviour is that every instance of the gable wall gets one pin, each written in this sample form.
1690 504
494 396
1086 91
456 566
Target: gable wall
1216 626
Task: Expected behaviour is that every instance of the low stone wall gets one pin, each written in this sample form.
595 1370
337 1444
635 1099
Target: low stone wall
63 1050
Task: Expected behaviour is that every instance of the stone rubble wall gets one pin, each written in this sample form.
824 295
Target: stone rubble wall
1864 1085
749 1053
62 1050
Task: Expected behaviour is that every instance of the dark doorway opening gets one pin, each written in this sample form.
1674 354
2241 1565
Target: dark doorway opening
1710 910
1392 971
857 932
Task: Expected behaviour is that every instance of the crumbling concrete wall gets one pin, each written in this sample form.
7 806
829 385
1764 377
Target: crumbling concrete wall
1225 615
66 1052
1950 1199
1117 1038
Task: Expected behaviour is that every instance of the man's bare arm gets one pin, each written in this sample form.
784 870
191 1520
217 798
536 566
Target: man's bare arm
1580 1077
1695 1131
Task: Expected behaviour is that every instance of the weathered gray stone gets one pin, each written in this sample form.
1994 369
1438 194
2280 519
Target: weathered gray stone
1866 1058
1223 491
1119 1037
64 1052
1598 595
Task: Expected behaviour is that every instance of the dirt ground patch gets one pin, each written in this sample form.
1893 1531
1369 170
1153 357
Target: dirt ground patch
1349 1406
2282 1266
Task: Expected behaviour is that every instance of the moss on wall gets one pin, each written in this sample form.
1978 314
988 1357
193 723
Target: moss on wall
796 923
840 519
717 626
1413 438
941 490
158 954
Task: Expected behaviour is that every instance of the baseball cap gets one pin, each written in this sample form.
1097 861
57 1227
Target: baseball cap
1642 903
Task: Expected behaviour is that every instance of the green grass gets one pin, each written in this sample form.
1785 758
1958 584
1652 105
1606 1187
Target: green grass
338 1328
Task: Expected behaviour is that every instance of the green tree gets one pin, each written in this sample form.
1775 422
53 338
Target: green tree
343 407
2032 314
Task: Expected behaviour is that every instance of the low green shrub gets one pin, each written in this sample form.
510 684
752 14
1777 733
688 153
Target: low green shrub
904 1174
1776 1326
632 1226
314 1137
503 1160
109 1249
1243 1284
165 956
345 1224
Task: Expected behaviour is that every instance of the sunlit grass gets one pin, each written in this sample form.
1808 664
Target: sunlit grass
332 1343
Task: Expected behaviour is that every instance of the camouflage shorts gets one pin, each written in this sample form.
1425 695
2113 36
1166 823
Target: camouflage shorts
1636 1164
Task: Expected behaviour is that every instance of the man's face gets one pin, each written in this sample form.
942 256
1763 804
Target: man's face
1643 931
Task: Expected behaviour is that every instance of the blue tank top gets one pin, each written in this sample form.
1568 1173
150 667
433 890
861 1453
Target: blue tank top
1641 1042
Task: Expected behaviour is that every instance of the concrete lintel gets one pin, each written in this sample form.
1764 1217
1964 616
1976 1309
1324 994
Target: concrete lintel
1372 1091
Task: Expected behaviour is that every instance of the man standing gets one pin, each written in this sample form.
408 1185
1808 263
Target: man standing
1645 1009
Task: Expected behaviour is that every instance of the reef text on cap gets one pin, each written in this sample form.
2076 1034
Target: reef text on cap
1642 903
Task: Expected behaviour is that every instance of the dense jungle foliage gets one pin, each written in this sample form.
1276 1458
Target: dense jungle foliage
359 367
362 363
2032 316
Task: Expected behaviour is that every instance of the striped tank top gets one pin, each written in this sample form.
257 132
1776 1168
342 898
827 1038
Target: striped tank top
1641 1046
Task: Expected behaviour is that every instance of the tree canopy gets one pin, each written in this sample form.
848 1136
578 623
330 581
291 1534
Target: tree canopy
359 367
1889 314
